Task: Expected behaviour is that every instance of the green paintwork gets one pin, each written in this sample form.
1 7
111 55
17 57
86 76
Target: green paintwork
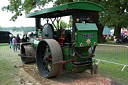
83 33
36 43
64 10
66 57
85 28
66 51
37 40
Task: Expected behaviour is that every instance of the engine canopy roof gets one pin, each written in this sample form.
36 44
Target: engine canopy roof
66 9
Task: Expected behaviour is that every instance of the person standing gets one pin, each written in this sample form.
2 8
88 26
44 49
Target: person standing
25 38
14 43
18 41
10 39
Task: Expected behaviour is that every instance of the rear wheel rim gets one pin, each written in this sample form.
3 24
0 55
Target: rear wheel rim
47 60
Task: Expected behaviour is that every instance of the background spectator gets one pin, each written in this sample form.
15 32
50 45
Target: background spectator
10 39
18 41
14 43
25 38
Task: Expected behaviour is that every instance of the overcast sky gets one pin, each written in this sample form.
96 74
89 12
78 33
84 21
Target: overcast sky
21 21
6 16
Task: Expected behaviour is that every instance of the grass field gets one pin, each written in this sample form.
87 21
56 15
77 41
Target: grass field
8 72
8 59
114 72
5 51
115 54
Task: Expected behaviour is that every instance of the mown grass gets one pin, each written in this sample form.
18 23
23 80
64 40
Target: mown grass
6 51
7 71
114 72
113 54
8 59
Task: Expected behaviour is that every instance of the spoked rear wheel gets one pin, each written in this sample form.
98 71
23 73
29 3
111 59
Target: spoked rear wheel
47 59
48 53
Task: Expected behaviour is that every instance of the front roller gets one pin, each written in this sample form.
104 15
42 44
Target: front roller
48 53
27 53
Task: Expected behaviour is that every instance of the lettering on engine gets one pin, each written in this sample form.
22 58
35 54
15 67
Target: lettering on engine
88 35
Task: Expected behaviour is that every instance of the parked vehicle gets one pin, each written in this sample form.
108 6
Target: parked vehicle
4 36
55 48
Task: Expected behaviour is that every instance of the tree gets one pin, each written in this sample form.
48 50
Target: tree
70 22
1 28
13 28
18 6
63 24
115 15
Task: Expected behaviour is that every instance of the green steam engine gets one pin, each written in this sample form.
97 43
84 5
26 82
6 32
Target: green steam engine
56 48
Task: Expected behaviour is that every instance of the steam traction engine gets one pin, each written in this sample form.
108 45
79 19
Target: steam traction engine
56 48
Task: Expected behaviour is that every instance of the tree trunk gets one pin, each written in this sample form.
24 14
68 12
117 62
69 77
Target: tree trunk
101 39
117 32
95 19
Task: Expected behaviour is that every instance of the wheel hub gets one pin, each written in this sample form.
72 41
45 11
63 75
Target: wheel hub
46 58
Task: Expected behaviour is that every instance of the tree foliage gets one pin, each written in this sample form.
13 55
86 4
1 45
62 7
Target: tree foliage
24 29
115 12
63 24
17 7
70 22
115 15
1 28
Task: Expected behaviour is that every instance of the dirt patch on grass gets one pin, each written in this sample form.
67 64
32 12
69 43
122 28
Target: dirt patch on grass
30 76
